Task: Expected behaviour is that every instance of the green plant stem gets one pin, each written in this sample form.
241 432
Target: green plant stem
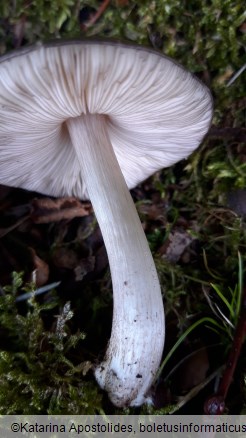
182 338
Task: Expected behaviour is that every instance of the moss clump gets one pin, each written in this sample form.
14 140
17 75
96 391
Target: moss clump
37 374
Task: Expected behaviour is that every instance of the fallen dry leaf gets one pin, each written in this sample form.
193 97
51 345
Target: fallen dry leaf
41 269
177 243
47 210
63 257
193 370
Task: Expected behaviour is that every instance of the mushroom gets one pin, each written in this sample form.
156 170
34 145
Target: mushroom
92 120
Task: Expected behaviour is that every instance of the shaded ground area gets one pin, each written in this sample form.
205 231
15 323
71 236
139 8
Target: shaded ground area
193 215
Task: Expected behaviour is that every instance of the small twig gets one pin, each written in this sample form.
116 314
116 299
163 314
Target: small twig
235 76
235 134
4 232
96 16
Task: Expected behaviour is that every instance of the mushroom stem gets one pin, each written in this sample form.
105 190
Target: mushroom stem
137 338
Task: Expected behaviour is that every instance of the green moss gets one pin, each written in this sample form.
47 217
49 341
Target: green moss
37 374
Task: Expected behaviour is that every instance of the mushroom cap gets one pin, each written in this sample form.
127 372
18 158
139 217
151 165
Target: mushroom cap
156 112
